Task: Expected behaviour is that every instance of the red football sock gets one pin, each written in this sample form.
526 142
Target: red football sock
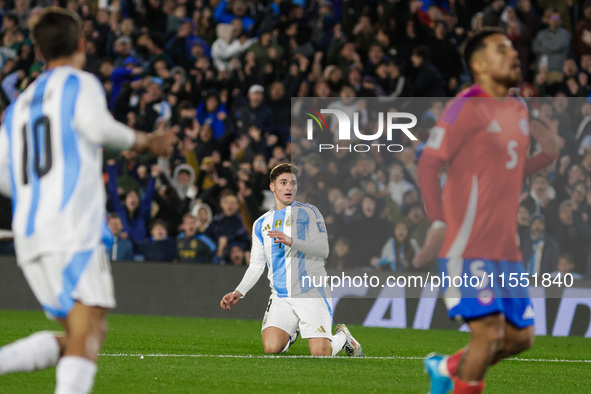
453 361
461 387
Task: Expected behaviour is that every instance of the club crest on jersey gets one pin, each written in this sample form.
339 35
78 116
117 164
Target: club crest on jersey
524 127
485 297
278 224
288 221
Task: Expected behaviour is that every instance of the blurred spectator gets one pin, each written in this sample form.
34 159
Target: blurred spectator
213 113
428 81
397 185
230 44
134 213
567 234
540 251
159 247
130 70
582 36
349 106
227 227
418 223
339 257
237 256
541 198
255 112
551 47
122 248
193 246
185 47
446 57
398 251
228 11
367 234
204 216
212 179
267 52
565 266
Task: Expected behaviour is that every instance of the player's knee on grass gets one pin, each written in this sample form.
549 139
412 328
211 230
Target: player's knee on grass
273 347
274 340
320 347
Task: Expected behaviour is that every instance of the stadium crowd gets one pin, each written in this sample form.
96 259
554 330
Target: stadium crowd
221 74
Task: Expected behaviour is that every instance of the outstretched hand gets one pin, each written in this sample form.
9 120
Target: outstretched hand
230 299
162 144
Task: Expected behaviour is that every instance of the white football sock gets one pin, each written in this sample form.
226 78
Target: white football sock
338 341
38 351
74 375
286 347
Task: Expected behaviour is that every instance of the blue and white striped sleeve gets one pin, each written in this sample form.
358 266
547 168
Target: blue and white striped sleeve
92 118
315 241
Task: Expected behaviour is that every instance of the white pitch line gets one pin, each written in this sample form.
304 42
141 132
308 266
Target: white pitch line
538 360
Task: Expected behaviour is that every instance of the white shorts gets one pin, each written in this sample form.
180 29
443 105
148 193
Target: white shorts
60 279
312 315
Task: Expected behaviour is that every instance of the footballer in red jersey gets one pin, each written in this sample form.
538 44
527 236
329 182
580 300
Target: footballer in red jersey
482 140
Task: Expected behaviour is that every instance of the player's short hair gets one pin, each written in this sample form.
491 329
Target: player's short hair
282 169
56 33
475 43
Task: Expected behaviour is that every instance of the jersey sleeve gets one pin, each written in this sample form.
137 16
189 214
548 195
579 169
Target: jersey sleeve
4 163
257 260
313 241
93 120
452 130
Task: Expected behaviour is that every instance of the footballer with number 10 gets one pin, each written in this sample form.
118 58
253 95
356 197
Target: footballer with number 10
291 241
51 165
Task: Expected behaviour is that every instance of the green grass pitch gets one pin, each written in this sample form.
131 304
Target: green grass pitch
187 355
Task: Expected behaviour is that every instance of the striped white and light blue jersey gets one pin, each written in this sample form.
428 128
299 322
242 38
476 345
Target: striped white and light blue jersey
288 266
51 162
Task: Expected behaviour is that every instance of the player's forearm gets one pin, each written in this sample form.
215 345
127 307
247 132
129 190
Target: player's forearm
429 183
538 162
315 248
104 130
251 277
